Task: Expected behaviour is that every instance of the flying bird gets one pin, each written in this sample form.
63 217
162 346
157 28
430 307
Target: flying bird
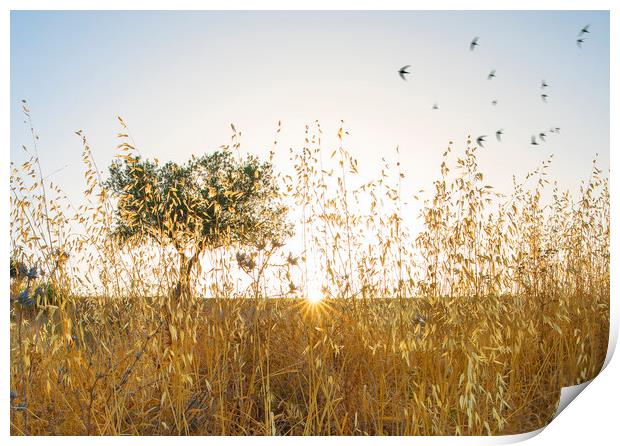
435 106
579 42
543 84
494 102
473 44
404 71
499 134
534 143
557 130
480 140
491 75
542 136
544 97
584 30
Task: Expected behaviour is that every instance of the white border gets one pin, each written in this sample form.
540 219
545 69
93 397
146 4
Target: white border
592 418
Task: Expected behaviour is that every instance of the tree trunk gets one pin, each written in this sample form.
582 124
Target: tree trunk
186 264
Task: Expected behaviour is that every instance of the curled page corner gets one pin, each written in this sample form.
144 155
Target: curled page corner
517 438
568 394
613 333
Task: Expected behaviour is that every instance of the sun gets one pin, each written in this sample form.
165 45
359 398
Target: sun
314 292
314 298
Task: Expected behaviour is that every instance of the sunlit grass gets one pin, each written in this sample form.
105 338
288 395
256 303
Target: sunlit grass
468 327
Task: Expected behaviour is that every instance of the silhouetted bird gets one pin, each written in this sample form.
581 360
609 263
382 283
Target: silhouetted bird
473 44
544 97
579 42
534 143
584 30
543 84
557 130
491 75
494 102
541 135
404 71
435 106
499 134
480 140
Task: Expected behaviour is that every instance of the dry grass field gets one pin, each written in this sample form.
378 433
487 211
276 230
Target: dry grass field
469 327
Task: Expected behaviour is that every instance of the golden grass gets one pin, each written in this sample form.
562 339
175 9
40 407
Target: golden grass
470 327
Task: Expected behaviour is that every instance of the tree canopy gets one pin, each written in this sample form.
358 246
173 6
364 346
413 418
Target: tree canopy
210 201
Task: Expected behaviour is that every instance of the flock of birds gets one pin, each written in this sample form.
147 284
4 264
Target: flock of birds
543 85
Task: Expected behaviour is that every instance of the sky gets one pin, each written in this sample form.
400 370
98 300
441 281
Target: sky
179 79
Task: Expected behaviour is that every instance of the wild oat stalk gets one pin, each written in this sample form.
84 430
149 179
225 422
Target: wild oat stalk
468 327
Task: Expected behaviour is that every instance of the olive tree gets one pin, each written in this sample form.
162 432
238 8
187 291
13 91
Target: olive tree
210 201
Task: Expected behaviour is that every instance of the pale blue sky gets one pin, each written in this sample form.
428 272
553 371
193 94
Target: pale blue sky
180 78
